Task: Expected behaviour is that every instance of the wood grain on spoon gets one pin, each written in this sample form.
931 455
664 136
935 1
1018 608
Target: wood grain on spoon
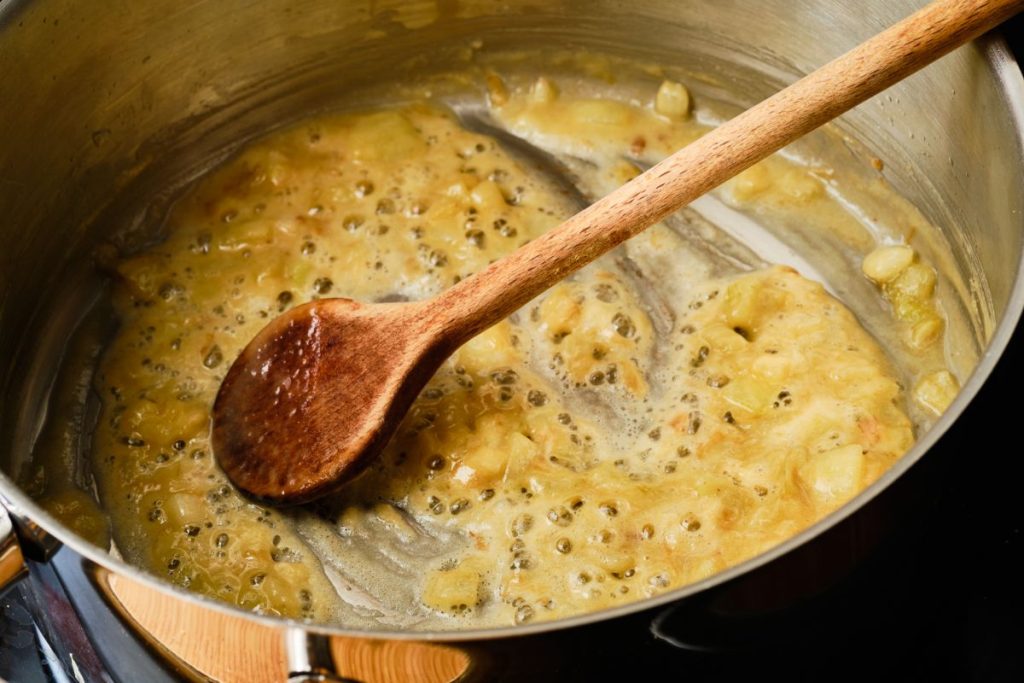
319 391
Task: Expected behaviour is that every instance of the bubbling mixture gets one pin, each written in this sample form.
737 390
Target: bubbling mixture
664 414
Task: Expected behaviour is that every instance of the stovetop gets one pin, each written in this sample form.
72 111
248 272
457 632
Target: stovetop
944 603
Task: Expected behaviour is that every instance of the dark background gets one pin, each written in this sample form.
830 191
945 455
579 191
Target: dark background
951 603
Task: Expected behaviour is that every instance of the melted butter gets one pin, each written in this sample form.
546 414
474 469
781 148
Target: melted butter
647 423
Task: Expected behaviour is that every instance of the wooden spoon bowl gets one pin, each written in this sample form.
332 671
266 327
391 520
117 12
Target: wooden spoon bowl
323 386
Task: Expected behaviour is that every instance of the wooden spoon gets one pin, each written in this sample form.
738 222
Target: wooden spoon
320 391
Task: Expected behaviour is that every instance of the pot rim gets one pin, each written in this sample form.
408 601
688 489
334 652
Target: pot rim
1008 75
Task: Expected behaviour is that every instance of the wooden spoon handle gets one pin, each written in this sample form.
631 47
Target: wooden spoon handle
492 294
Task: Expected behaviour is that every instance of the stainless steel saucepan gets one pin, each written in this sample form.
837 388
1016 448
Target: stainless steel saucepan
104 105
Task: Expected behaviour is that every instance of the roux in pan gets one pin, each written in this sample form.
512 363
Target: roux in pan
658 417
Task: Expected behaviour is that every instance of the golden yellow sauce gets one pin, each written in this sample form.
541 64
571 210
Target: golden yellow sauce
636 428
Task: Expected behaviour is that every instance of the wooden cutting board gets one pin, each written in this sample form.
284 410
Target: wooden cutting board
209 645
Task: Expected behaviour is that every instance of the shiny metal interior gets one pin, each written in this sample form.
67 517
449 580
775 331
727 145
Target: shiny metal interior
106 105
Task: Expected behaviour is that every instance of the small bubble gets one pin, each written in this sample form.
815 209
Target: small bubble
693 425
322 285
659 581
352 222
537 398
717 381
504 377
560 516
623 324
364 188
203 241
611 374
521 524
520 563
606 292
213 358
523 614
283 300
170 290
434 258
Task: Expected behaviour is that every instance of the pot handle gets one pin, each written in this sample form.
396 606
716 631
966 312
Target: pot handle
12 561
310 659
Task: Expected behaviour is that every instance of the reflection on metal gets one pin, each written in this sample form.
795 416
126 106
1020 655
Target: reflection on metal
310 659
202 644
37 543
12 564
